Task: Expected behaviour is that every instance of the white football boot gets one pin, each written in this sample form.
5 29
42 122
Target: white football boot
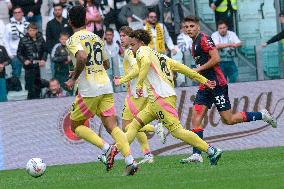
159 130
267 117
148 158
194 158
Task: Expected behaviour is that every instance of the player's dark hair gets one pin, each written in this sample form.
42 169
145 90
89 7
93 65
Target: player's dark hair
77 16
57 5
64 34
141 35
93 2
220 22
194 19
281 13
32 26
109 30
53 79
17 7
126 30
151 11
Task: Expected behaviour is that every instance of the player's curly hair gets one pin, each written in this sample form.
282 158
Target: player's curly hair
77 16
141 35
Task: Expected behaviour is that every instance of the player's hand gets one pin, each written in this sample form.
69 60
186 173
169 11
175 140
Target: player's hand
27 62
139 92
263 45
30 14
70 84
174 51
116 80
210 84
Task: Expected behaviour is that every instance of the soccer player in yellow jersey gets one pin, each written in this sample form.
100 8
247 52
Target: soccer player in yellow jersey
156 71
95 93
134 104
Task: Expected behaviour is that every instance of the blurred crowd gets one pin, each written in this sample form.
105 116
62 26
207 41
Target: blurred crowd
27 44
25 47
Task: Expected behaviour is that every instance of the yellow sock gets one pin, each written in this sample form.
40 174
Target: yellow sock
132 130
89 135
143 141
147 128
191 138
121 141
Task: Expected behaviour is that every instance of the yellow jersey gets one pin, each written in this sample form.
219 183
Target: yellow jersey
130 64
156 71
94 80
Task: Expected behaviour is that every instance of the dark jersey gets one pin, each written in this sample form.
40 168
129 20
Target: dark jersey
200 52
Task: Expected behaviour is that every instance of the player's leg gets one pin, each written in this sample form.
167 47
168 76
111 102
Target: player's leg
106 111
143 141
201 104
143 118
81 110
165 109
198 113
131 108
221 100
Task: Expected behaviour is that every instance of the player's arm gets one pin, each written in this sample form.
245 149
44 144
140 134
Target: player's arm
131 75
208 46
106 63
81 58
214 60
144 69
188 72
75 48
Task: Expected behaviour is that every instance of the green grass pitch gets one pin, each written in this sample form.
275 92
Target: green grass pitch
248 169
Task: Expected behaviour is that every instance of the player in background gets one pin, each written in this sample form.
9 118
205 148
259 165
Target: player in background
95 93
207 59
156 72
134 104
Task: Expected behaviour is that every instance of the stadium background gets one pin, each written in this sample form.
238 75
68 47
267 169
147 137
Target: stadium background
38 126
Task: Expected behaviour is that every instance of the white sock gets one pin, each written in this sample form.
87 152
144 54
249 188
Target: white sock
105 147
129 160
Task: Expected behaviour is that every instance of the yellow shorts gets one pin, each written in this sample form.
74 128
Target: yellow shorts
86 107
163 109
132 106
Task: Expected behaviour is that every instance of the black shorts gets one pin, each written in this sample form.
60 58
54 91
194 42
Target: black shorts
219 96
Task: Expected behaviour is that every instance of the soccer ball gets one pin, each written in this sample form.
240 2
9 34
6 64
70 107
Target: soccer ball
35 167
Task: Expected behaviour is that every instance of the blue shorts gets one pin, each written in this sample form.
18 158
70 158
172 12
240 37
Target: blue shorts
219 96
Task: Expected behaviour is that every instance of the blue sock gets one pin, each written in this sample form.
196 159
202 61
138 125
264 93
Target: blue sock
199 132
251 116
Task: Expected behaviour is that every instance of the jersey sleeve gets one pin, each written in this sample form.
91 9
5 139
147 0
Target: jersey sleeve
131 75
188 72
134 71
143 58
104 54
74 45
207 44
